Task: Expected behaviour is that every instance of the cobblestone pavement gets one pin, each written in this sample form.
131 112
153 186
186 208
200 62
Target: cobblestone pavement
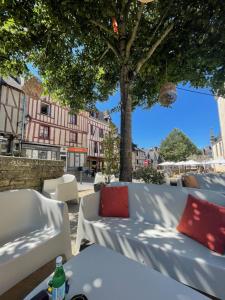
73 216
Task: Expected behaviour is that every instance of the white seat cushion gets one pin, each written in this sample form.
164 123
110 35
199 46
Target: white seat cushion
164 249
25 243
168 239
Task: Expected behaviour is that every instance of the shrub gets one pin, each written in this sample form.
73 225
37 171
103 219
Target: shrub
149 175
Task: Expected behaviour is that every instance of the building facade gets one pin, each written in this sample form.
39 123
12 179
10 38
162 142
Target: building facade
218 143
44 129
53 132
11 114
138 158
153 156
98 127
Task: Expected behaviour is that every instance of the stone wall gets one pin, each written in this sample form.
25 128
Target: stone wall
19 172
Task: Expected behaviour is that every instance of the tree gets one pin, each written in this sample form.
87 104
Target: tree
110 146
177 146
85 50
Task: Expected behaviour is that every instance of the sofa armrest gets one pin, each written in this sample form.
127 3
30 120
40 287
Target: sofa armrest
55 214
50 184
89 206
88 211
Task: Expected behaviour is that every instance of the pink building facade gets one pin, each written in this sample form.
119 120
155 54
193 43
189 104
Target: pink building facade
51 131
54 132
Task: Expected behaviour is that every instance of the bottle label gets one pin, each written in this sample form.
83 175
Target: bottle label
59 293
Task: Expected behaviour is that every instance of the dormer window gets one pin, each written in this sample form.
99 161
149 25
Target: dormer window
45 109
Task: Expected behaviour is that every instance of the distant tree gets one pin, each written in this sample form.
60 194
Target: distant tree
177 146
111 144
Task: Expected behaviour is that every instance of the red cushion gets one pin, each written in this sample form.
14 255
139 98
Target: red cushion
204 222
114 202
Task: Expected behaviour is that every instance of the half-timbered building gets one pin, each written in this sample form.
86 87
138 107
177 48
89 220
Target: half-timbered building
11 115
55 133
98 126
47 130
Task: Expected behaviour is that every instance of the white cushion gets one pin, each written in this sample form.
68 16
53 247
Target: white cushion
164 249
25 243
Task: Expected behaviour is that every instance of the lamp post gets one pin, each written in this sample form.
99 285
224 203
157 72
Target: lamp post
25 120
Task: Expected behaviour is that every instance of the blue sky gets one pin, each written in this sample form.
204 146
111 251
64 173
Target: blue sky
195 114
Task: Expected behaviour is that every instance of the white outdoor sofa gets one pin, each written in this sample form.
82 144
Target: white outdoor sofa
150 237
207 181
63 188
33 231
102 178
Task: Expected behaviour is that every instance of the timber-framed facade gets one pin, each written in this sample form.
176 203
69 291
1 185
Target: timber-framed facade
11 114
52 131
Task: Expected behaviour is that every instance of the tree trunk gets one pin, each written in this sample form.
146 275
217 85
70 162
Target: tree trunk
126 139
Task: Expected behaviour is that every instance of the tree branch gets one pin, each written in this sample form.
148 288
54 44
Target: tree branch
163 17
105 29
103 54
112 47
150 52
134 33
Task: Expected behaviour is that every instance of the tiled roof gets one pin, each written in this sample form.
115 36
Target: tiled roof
12 82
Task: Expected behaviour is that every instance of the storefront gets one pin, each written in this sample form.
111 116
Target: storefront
95 163
76 158
38 151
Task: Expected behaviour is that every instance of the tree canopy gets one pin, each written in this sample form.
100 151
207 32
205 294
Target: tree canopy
85 50
177 147
77 52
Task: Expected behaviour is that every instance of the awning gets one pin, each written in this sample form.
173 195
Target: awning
77 150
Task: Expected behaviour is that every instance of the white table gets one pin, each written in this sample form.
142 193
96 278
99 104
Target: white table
102 274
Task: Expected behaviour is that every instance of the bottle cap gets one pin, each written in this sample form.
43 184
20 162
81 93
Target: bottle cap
59 260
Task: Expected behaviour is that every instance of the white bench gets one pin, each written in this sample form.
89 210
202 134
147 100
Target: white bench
149 236
208 181
63 188
33 231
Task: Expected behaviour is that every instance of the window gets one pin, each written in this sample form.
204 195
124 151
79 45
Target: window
100 148
77 160
137 161
44 132
35 154
92 130
42 154
29 153
49 155
101 134
82 159
73 119
73 137
71 159
45 109
54 155
95 147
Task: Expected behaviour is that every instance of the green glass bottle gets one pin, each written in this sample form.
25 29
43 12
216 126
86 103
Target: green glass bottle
58 282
